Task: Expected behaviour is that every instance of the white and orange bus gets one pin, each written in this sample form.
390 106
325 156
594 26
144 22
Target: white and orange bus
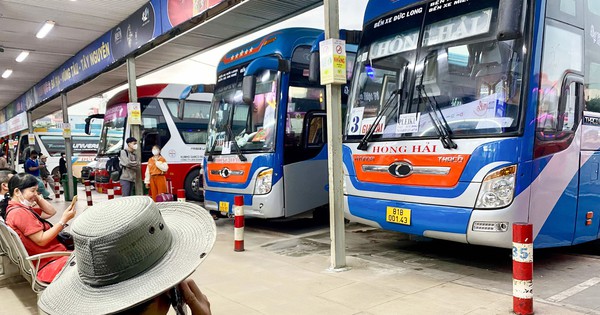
183 141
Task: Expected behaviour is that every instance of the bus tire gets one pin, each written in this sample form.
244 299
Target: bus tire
193 186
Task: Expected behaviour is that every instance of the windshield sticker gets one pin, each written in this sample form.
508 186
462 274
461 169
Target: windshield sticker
398 17
367 122
491 106
356 117
459 27
226 147
408 123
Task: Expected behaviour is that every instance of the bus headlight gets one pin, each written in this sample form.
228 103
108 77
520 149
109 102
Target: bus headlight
497 189
263 182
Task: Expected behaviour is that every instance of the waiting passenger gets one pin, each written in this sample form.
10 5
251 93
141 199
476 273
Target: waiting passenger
132 256
129 162
37 234
155 178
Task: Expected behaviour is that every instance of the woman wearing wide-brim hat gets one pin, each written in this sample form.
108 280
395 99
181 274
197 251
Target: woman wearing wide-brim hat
129 253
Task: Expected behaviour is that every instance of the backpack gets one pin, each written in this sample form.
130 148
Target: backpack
114 168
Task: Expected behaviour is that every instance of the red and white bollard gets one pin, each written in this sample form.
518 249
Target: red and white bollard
238 223
169 186
56 188
181 195
88 192
522 268
110 190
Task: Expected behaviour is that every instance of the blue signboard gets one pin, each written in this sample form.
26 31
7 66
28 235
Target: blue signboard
153 19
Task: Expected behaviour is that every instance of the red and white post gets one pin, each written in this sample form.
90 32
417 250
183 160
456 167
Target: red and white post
169 186
238 223
522 268
88 192
56 188
181 195
110 190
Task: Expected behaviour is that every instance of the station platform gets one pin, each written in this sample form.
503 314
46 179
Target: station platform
281 273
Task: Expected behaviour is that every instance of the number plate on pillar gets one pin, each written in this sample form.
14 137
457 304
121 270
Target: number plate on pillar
398 215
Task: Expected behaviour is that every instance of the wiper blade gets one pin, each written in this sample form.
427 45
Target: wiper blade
363 145
234 142
439 121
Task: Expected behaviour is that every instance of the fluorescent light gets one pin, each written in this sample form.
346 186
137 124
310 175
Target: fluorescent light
7 73
45 29
22 56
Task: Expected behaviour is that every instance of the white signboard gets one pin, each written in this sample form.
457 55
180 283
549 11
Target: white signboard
356 116
408 123
333 61
134 112
459 27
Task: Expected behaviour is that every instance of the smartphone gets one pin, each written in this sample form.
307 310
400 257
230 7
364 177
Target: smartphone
177 301
73 202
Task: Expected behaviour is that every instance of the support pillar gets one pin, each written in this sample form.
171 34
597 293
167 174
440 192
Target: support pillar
334 146
68 148
136 131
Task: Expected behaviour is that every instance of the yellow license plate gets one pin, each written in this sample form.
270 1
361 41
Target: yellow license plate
398 215
224 206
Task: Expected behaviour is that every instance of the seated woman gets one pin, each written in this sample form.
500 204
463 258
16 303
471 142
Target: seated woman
25 211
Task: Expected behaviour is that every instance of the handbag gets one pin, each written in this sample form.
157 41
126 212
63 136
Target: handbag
66 239
164 197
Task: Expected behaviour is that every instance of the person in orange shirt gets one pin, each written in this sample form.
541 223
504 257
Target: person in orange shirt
155 178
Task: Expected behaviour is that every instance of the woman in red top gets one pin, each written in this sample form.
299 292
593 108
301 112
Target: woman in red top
19 209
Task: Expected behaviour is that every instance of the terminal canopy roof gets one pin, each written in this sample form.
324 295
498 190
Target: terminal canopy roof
84 54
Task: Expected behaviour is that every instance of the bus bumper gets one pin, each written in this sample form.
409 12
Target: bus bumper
440 222
259 206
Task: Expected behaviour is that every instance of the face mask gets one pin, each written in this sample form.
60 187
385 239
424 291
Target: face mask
155 151
25 202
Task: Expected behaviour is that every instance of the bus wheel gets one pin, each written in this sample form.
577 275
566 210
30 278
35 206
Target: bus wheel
193 186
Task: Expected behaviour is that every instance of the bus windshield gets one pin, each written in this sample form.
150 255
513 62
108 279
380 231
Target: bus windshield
430 60
55 144
111 138
253 128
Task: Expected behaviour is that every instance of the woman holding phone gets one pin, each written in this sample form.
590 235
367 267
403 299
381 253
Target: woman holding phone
25 211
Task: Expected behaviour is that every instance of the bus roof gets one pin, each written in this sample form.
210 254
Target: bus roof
282 42
377 8
172 91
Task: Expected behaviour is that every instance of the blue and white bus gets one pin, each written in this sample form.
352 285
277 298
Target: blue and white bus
468 116
270 148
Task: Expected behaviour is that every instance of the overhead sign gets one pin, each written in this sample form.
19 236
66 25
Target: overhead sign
333 61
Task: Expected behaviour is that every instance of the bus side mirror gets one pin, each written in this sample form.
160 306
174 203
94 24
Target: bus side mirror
314 67
181 109
248 89
88 122
510 15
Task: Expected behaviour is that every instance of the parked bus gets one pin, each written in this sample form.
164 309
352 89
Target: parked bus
182 140
50 142
269 148
262 151
469 116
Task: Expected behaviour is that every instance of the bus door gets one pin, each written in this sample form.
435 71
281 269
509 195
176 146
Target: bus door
588 216
305 153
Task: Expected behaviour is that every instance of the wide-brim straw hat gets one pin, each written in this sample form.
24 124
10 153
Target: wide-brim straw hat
124 255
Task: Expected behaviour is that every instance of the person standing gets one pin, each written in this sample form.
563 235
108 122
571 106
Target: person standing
129 163
32 167
45 174
3 161
155 178
62 165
